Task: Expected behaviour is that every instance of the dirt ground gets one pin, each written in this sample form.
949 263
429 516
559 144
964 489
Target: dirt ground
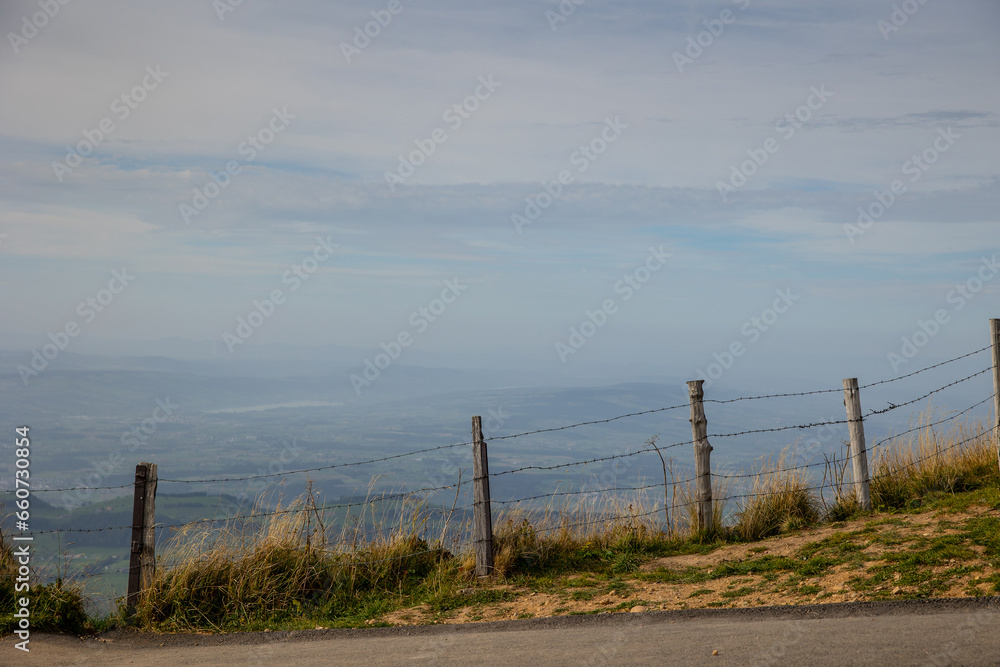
861 572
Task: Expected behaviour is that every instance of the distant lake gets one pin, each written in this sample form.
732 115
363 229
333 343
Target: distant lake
273 406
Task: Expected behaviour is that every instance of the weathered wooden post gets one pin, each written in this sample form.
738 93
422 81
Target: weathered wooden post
702 457
142 559
859 451
482 519
995 338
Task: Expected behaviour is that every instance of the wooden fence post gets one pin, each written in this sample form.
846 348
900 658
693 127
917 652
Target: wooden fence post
142 559
995 338
859 451
482 519
702 457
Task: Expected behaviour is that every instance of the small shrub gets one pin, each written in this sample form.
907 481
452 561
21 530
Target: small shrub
903 472
54 607
779 499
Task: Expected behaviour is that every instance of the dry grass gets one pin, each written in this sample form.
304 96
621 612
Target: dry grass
906 470
249 575
531 540
778 499
253 575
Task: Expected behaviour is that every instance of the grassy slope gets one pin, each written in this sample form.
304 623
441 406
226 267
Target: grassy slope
936 533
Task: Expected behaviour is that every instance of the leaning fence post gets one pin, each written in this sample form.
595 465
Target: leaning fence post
482 519
702 457
859 452
995 338
142 554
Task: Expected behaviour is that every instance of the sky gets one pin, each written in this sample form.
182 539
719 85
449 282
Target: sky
575 187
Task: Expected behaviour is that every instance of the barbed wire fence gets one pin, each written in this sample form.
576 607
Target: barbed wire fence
569 519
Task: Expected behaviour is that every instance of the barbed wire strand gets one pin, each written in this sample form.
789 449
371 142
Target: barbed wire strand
930 393
923 426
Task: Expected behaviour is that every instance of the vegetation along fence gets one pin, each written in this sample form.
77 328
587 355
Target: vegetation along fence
699 503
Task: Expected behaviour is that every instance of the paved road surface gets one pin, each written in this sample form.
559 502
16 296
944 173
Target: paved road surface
939 632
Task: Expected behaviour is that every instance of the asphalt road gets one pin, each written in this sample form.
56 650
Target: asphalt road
933 632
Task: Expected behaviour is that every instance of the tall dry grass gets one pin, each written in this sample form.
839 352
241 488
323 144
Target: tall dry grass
248 575
530 539
778 499
905 470
296 564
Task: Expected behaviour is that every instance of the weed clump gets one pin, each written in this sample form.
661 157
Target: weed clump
779 500
55 607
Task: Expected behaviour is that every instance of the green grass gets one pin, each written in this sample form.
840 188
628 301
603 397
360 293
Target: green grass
285 576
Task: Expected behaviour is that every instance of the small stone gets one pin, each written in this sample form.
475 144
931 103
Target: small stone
896 590
638 608
715 652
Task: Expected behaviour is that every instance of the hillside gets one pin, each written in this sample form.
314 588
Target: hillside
947 549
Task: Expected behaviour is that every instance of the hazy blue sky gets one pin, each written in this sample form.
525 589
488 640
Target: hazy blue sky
642 122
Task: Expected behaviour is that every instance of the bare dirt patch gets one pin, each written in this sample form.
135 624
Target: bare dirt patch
855 568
